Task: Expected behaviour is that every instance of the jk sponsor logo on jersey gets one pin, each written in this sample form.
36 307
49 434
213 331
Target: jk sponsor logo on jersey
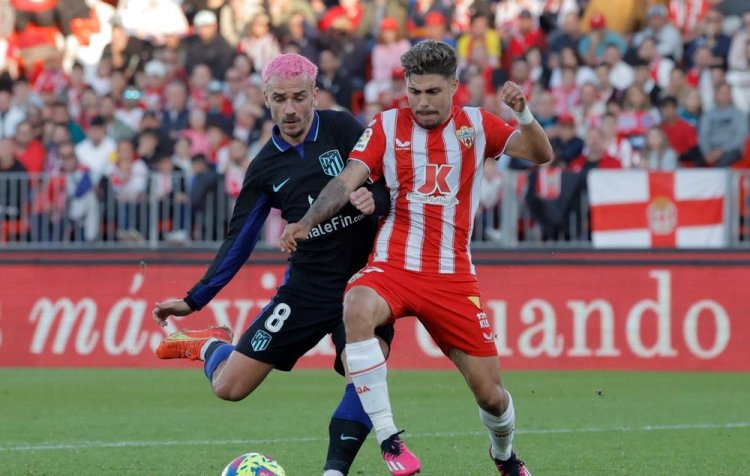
260 340
331 162
364 139
435 189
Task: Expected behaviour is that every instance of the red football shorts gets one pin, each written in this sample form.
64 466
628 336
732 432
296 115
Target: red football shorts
449 306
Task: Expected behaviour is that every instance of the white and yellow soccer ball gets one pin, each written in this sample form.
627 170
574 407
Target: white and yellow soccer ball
253 464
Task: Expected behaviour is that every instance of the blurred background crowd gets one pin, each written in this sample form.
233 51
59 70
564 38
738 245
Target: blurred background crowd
135 120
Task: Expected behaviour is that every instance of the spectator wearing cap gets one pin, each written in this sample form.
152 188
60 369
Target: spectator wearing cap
220 109
568 35
10 116
259 43
593 44
95 152
174 117
207 47
334 79
154 85
712 37
566 145
436 28
722 131
524 36
666 37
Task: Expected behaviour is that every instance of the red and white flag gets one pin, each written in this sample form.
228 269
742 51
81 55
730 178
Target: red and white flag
639 209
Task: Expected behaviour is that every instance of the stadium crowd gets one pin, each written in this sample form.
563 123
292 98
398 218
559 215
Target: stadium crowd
108 107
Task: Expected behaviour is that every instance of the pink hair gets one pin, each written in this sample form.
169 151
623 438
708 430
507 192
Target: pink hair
288 66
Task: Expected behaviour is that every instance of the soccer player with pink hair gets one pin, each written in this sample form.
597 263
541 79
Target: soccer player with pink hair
307 148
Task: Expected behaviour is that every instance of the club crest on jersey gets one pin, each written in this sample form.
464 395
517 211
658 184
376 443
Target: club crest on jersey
331 162
466 135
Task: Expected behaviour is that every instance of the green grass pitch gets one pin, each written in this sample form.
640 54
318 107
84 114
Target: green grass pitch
167 422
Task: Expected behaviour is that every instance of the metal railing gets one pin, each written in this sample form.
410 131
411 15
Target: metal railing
55 211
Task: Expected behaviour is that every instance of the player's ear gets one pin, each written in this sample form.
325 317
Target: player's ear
316 90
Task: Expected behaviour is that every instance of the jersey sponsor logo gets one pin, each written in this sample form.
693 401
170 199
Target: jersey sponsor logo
466 136
278 186
331 162
260 340
406 145
435 190
364 139
339 222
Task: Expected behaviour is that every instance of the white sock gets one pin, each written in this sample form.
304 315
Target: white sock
367 368
204 347
501 430
333 472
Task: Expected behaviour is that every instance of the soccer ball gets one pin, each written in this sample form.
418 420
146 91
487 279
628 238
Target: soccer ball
253 464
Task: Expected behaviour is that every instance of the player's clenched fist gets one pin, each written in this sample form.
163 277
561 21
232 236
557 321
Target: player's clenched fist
513 96
363 201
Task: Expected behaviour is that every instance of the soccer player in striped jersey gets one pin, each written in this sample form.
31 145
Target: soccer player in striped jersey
431 155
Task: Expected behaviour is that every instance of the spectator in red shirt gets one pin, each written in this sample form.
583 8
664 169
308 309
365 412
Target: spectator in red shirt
526 36
682 136
30 151
595 154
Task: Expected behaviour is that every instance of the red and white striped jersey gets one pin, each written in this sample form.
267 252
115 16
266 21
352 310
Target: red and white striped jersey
434 177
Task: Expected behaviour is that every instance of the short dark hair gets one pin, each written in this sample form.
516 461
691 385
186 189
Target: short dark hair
668 101
430 57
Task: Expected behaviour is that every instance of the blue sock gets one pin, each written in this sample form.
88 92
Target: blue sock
216 353
350 408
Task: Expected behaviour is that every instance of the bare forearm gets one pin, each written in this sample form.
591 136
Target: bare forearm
536 143
333 196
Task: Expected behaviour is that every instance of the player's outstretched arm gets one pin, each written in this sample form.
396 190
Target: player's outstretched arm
532 143
162 310
333 196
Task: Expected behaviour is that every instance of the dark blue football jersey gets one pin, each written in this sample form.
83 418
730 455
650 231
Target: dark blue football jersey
290 178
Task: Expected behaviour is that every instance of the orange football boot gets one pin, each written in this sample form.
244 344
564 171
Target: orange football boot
187 344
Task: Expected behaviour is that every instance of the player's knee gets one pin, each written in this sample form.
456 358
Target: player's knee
491 398
229 391
358 314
